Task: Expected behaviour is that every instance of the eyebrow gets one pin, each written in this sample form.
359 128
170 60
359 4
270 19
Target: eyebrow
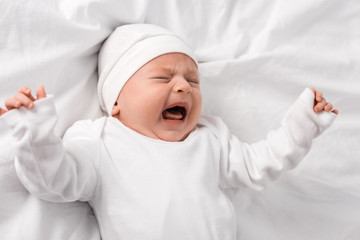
170 70
165 69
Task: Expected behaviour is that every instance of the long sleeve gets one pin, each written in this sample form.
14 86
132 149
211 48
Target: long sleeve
52 169
256 164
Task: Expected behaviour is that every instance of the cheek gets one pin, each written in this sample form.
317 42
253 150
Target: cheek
135 97
198 102
196 108
149 105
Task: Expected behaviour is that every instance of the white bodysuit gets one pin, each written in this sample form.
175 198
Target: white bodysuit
142 188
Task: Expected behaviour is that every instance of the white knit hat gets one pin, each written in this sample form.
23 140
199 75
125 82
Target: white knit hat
127 49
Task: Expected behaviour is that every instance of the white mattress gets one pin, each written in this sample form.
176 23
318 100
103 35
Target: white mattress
256 58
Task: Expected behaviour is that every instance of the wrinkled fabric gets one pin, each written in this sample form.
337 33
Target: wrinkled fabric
256 56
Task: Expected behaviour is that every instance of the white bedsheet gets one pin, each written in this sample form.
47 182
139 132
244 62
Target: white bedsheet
256 58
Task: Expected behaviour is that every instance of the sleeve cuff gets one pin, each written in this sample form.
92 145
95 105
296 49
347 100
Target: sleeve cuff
303 113
42 107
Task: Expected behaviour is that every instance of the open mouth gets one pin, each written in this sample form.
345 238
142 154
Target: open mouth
174 113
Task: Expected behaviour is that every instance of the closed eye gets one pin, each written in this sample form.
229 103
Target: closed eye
162 78
195 81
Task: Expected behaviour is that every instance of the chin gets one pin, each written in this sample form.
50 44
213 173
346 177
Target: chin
174 137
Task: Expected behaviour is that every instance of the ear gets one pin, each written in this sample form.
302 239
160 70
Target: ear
115 110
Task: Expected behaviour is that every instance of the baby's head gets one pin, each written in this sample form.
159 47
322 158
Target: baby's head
149 80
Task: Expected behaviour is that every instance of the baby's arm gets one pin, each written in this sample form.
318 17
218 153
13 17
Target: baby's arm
48 167
255 164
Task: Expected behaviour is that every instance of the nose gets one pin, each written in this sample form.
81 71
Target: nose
182 87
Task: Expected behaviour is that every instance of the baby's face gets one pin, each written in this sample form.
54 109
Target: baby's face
162 100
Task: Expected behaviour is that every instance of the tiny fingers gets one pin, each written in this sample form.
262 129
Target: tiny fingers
25 100
328 107
313 90
325 106
2 111
11 103
18 100
318 96
320 105
40 93
27 92
23 97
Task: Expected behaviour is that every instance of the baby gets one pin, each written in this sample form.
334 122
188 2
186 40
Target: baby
154 168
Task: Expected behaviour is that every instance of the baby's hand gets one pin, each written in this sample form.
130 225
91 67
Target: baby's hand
2 111
23 98
320 103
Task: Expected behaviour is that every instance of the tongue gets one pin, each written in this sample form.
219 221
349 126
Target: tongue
172 114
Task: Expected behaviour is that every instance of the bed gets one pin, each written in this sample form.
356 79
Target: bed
255 58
